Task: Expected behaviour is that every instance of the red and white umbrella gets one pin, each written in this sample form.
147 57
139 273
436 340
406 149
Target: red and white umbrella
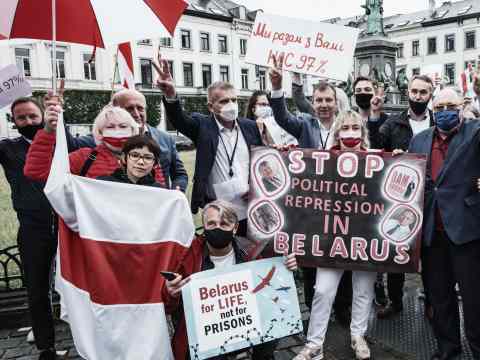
92 22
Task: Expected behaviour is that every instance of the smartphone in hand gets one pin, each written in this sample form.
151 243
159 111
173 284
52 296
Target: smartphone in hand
168 275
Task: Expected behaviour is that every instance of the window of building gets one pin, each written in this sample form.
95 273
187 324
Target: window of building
262 79
166 42
224 73
146 72
432 46
243 47
146 42
206 76
222 44
204 41
400 50
170 68
450 42
415 47
89 70
186 38
22 58
450 73
470 40
60 68
244 78
188 74
415 71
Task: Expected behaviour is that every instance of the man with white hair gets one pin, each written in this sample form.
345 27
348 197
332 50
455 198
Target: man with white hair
135 103
451 235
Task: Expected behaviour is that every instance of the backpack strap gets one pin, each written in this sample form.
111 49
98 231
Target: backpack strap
88 163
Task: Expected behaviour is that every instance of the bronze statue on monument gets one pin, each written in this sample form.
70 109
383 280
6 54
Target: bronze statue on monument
374 12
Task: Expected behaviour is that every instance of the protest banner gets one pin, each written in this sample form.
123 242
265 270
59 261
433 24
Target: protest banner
349 210
277 135
248 304
308 47
12 85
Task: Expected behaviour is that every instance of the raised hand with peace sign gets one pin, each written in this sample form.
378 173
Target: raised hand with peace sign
165 80
275 73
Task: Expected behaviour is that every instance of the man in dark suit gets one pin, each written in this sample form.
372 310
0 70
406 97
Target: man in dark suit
222 140
451 235
37 236
396 133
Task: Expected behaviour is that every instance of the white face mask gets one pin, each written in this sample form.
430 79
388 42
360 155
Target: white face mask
263 112
117 133
352 134
229 112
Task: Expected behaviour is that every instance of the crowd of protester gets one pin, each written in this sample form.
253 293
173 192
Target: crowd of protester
124 148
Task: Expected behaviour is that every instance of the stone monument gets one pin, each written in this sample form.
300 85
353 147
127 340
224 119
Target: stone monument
375 54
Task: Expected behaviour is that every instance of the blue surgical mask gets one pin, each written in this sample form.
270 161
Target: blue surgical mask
446 120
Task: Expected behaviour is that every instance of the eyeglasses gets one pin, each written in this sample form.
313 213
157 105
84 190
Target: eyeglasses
448 107
147 158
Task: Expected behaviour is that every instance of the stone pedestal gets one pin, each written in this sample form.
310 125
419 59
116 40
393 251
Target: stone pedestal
375 58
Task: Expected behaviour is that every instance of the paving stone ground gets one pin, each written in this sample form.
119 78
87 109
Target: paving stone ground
406 337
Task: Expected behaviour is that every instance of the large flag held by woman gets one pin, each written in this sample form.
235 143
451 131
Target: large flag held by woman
114 239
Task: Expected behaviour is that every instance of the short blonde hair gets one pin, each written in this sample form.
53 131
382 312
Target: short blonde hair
226 210
107 113
347 115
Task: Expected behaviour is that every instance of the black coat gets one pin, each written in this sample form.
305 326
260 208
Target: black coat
374 131
395 133
120 176
204 133
454 191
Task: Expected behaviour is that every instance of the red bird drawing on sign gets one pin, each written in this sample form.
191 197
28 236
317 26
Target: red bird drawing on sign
265 281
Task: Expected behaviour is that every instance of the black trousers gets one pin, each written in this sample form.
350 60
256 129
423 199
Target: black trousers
445 264
37 242
395 282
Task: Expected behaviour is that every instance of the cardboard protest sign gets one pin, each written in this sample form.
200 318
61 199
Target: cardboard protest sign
244 305
349 210
308 47
276 134
12 85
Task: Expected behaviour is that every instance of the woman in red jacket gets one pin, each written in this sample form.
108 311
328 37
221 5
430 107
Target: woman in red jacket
112 127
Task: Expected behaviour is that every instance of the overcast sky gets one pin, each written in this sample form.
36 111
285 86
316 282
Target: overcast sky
324 9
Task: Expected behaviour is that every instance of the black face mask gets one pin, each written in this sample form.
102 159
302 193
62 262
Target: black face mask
218 238
363 100
29 131
418 107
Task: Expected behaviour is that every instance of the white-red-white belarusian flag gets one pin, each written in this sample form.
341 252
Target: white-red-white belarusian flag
114 239
125 65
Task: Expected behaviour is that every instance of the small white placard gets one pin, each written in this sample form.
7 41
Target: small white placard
12 85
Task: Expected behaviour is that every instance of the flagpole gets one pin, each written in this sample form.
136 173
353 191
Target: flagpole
115 67
54 47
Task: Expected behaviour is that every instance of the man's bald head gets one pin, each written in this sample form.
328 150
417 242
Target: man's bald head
134 102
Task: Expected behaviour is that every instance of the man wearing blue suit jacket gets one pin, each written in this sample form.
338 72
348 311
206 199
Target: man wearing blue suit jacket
222 140
451 231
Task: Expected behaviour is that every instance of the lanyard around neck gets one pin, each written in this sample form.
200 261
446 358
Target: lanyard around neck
230 159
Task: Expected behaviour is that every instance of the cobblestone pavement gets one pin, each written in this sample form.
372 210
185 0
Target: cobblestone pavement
406 337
